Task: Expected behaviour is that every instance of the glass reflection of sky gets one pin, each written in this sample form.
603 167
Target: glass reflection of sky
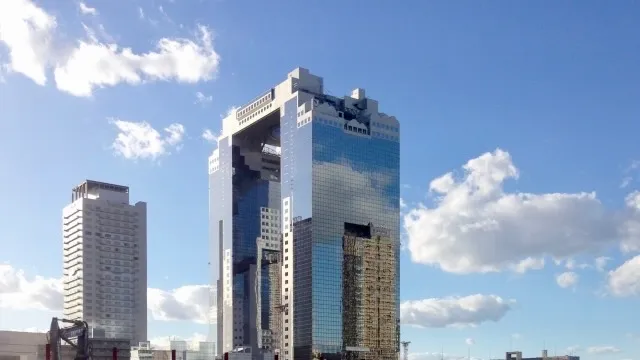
356 179
337 177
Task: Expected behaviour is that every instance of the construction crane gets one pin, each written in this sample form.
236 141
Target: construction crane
78 330
405 349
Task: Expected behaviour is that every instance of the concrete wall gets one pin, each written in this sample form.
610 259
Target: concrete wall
17 345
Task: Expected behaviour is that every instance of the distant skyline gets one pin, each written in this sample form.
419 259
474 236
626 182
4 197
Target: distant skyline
519 157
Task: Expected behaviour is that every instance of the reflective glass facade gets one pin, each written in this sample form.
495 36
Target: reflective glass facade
337 177
243 185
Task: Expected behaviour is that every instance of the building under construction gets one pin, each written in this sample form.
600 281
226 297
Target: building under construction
369 293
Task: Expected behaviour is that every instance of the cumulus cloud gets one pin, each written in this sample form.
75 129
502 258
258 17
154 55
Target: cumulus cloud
606 349
93 64
28 32
187 303
567 279
475 225
19 292
464 311
139 140
625 280
87 10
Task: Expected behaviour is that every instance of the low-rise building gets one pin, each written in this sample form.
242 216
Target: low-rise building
19 345
517 355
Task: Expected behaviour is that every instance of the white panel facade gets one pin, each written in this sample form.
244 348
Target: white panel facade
105 260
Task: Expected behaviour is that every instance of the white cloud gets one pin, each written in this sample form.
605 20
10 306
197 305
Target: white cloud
164 14
516 336
140 13
630 173
477 226
210 136
454 311
187 303
625 182
571 264
567 279
139 140
93 64
625 280
470 341
163 342
601 262
203 99
19 292
26 30
528 264
630 229
606 349
86 10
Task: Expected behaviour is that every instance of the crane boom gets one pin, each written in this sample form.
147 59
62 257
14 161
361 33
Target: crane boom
78 330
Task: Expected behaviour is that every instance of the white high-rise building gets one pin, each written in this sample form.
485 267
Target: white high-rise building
105 261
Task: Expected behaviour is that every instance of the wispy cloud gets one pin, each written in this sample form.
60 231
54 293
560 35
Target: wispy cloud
604 349
210 136
87 10
203 99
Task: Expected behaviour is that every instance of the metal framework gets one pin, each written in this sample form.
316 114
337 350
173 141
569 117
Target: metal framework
405 349
78 330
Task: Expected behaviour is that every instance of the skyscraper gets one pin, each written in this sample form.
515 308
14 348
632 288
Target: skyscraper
105 261
304 207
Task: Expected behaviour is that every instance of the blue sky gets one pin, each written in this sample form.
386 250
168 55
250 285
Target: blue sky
532 107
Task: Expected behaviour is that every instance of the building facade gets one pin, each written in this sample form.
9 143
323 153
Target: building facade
304 197
105 261
517 355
